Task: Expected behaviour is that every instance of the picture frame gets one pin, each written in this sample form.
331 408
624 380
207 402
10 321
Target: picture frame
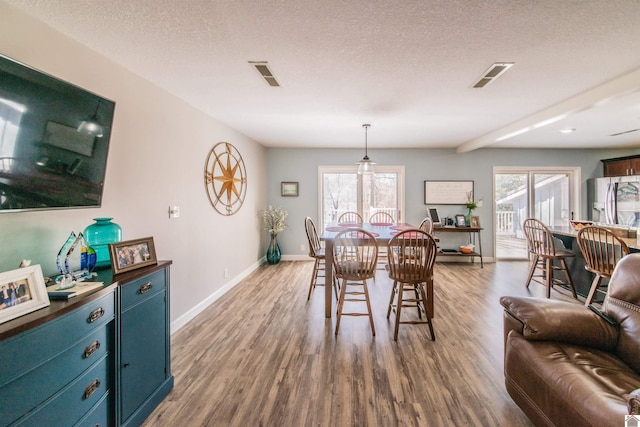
132 254
22 291
474 221
461 221
289 189
434 215
447 192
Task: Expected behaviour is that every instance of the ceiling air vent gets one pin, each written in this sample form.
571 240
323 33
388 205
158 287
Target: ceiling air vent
262 67
495 71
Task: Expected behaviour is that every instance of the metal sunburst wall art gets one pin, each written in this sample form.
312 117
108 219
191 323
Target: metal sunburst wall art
225 178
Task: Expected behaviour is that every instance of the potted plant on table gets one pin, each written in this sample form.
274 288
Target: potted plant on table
470 205
274 217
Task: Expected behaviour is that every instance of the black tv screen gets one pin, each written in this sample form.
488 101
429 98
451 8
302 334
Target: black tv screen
54 141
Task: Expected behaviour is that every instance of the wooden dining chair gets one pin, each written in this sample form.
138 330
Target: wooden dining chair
350 217
316 251
426 225
382 218
602 250
355 254
412 277
545 257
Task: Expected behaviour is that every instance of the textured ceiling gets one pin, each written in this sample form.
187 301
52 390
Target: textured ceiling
406 67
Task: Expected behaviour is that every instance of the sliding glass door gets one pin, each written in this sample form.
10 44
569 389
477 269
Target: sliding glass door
342 189
548 195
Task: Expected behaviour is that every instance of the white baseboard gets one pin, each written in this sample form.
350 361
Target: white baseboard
185 318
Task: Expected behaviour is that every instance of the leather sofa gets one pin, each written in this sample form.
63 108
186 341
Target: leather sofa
570 365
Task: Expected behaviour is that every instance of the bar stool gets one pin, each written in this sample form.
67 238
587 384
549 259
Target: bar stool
601 250
412 254
543 251
316 251
355 254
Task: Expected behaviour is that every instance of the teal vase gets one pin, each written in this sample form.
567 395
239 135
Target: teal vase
99 235
468 217
273 251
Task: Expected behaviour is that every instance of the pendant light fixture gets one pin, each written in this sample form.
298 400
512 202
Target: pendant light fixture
91 126
365 166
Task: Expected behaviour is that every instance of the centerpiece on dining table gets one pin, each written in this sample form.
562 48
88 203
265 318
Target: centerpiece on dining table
274 217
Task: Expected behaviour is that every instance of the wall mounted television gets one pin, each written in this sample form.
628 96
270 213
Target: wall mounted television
47 159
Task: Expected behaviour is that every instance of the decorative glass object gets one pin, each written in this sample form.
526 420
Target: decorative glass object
273 251
62 254
99 235
80 260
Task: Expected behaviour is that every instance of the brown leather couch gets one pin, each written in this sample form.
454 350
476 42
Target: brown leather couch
566 365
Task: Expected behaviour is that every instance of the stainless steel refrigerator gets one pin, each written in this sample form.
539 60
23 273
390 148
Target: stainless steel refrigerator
615 200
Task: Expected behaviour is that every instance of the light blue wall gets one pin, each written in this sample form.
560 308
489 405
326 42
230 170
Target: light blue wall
301 165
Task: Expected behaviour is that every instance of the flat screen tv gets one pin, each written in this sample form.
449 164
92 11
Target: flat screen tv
54 141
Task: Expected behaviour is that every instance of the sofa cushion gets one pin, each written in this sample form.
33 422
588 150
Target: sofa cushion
565 384
551 320
622 304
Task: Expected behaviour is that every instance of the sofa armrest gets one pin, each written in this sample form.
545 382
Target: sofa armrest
551 320
633 402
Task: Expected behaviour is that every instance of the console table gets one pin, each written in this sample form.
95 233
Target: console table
474 235
100 359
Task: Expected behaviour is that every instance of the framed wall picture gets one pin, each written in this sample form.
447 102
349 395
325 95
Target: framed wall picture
461 221
132 254
289 189
434 215
447 192
474 221
21 292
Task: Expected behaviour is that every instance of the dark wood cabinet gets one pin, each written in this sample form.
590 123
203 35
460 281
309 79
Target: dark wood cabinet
622 166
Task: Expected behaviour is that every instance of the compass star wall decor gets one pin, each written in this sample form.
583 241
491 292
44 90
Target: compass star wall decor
225 178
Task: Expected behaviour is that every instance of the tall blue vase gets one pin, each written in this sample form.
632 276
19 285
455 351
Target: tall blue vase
99 235
273 251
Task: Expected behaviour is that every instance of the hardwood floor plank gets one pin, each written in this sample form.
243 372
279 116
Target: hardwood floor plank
262 355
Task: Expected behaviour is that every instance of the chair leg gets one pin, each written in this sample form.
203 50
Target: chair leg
594 286
548 275
343 289
366 297
314 278
563 262
393 294
532 269
428 315
398 311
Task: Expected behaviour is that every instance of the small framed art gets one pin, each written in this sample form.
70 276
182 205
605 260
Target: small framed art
474 221
21 292
132 254
289 189
461 221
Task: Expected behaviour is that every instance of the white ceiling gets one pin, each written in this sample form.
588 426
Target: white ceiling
405 66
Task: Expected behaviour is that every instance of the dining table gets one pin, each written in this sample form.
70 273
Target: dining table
382 231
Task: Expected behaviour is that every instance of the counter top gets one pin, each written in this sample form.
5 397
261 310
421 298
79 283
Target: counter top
570 232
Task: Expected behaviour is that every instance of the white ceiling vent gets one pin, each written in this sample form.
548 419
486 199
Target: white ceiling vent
495 71
262 67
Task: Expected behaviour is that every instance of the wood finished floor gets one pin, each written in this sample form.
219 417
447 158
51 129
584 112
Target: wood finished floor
263 356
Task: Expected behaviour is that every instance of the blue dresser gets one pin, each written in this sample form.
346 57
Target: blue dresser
96 360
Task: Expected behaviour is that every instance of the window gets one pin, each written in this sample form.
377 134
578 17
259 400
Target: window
342 189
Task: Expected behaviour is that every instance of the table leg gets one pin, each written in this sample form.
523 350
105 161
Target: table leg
328 277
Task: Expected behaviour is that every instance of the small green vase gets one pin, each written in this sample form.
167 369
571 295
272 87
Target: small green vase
99 235
273 251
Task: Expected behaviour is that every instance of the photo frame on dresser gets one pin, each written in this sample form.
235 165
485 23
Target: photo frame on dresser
21 292
132 254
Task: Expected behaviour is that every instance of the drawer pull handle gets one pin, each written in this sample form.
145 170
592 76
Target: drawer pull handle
91 388
127 364
146 287
95 314
91 348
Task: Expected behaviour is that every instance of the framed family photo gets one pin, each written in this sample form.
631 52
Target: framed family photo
21 292
132 254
